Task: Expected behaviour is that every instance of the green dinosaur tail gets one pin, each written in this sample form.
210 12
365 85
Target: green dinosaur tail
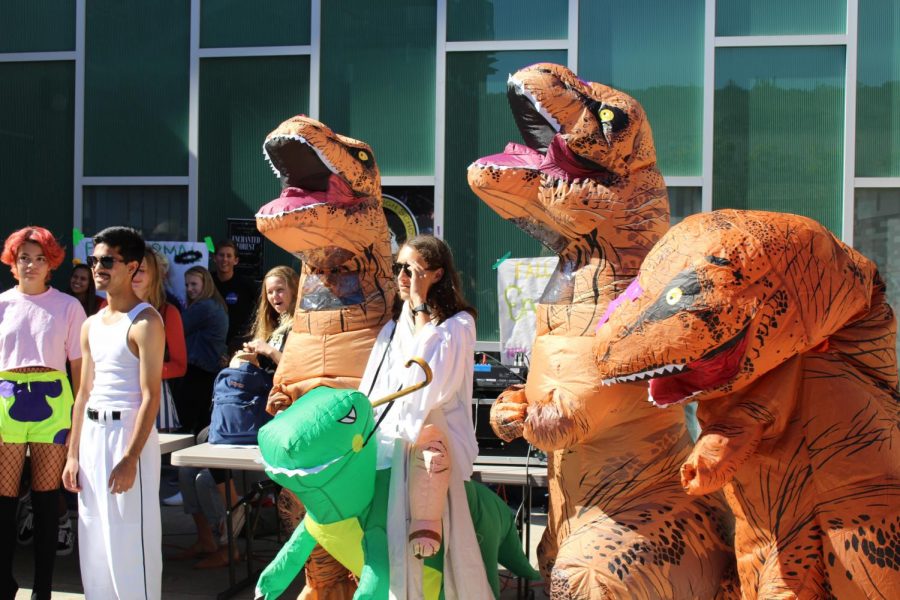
497 535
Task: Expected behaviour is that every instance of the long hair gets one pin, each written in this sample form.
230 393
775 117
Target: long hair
89 301
38 235
208 290
267 319
156 292
445 296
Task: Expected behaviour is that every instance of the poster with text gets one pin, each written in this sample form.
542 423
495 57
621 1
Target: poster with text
180 256
520 283
249 242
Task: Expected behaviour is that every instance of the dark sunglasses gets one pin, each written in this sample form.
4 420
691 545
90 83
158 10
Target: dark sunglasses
107 262
402 267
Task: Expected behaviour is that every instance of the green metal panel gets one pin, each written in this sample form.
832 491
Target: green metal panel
159 212
878 89
653 51
778 17
778 132
37 114
240 23
683 202
478 123
876 233
136 88
377 80
37 25
476 20
241 101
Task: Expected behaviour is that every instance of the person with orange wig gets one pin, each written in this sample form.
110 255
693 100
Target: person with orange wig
39 331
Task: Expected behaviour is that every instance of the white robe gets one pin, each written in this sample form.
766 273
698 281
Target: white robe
447 403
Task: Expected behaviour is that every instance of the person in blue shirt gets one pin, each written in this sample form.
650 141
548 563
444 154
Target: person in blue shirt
205 328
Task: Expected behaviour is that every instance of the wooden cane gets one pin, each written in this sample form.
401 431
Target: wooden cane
416 386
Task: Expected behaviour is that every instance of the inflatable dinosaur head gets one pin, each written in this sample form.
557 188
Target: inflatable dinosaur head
318 447
330 209
586 178
727 296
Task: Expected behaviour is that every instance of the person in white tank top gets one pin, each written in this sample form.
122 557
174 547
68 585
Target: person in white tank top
113 459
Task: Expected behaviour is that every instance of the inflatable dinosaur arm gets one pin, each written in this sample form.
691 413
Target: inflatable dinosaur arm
508 413
276 577
374 580
734 426
563 403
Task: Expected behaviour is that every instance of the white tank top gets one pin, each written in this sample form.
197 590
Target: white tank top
117 382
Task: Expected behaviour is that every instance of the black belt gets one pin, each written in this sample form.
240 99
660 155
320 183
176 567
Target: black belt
94 415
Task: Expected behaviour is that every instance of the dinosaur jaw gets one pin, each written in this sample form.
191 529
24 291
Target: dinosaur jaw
537 126
679 382
312 216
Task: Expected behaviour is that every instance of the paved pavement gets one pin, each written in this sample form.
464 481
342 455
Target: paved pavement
180 580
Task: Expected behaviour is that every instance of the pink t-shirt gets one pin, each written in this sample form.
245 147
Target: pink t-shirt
39 330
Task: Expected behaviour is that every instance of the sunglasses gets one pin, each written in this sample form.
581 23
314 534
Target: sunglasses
402 268
107 262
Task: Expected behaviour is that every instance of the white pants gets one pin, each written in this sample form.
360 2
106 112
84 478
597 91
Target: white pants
119 535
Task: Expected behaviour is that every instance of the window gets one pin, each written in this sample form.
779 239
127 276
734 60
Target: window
478 123
779 131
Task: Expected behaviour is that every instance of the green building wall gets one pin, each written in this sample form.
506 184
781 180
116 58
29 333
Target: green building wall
154 111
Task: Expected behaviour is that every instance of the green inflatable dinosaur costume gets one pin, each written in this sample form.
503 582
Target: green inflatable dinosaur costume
319 449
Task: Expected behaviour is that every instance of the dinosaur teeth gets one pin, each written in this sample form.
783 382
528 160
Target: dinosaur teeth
302 140
644 375
523 91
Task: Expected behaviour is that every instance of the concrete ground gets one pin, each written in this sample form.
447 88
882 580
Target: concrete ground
183 582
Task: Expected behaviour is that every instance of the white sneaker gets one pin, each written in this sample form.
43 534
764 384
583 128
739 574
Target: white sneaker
65 542
173 500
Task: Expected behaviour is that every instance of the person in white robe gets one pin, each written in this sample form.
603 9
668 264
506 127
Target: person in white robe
426 437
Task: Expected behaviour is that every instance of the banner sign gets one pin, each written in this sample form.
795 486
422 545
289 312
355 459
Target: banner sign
520 283
181 256
249 242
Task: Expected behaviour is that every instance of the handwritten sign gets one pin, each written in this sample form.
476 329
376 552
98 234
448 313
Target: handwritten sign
181 256
520 283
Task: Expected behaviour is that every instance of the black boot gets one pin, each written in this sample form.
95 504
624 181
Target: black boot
46 531
8 585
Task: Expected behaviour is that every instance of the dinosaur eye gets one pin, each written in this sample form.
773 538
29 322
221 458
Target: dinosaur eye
350 418
606 115
363 155
673 296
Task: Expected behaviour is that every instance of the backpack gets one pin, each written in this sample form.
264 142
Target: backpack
239 404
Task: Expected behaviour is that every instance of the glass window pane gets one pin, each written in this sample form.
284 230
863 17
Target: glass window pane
158 212
242 23
136 88
877 234
37 26
391 109
241 101
653 51
878 89
478 123
777 17
476 20
36 150
683 201
778 131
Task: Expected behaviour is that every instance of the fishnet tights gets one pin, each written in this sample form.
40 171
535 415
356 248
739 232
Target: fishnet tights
47 462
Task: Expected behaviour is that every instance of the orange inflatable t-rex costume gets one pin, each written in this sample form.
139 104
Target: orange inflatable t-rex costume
586 185
783 336
330 216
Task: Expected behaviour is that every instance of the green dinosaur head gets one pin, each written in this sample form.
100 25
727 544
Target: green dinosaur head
317 449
